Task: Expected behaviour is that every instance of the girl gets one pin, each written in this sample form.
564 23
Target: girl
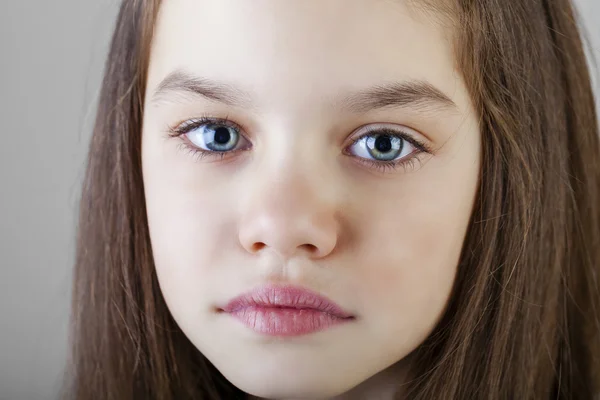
367 199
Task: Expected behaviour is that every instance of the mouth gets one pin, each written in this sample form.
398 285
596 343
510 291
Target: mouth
286 311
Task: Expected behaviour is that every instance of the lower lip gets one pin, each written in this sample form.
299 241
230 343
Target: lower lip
281 321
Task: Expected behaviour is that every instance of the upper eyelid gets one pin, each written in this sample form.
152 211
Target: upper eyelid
193 121
402 129
356 135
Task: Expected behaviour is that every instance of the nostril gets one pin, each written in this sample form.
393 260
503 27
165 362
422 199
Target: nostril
310 247
258 246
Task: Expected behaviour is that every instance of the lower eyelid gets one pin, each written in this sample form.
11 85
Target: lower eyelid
405 164
373 163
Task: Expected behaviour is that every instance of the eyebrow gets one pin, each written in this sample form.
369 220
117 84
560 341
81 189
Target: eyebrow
412 93
182 82
418 94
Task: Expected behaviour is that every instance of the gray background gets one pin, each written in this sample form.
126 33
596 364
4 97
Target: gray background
51 61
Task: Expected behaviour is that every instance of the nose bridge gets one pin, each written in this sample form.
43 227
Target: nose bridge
294 191
290 206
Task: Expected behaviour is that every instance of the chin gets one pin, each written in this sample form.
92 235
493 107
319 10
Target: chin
292 385
280 390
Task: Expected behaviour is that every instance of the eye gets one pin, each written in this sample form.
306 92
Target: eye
212 135
380 147
383 144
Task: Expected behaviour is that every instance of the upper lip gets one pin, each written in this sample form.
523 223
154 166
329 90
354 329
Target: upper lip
285 296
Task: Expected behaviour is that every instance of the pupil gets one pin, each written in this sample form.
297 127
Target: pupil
383 144
222 135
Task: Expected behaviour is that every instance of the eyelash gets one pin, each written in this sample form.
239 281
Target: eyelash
383 166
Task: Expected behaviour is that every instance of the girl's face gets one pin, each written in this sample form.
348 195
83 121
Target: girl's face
348 165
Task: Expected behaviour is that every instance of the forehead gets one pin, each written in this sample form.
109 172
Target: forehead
297 52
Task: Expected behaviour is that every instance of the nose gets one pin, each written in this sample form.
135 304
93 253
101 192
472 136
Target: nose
290 214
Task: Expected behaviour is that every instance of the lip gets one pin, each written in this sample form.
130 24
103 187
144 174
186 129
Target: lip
286 311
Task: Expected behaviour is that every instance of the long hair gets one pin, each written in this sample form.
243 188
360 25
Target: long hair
523 320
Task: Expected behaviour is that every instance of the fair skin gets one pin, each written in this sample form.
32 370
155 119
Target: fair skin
294 199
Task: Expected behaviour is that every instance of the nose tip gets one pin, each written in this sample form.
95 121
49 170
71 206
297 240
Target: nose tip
290 209
289 236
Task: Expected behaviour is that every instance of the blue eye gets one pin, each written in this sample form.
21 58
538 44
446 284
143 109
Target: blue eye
380 147
218 137
384 145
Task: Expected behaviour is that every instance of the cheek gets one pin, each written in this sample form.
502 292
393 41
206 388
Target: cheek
410 277
409 265
188 221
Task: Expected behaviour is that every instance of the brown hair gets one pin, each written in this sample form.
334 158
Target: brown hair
524 317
